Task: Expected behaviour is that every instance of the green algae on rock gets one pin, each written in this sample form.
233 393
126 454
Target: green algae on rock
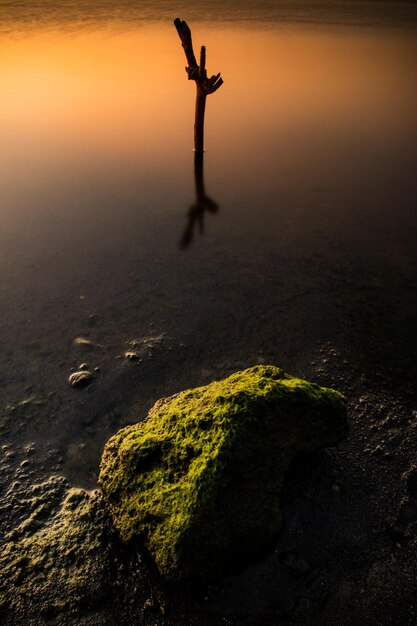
199 480
55 554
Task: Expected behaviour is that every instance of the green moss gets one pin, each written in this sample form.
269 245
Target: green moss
200 478
52 557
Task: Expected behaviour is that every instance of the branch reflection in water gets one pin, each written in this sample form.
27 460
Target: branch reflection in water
203 204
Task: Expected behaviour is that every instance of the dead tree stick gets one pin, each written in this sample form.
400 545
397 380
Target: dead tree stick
198 73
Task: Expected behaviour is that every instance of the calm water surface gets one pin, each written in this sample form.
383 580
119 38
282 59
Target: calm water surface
311 160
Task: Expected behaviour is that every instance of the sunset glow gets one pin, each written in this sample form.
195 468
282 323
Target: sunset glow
95 94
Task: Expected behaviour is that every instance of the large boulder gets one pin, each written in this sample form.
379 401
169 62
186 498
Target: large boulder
200 479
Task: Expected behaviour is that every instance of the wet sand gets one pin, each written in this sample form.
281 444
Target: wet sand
348 548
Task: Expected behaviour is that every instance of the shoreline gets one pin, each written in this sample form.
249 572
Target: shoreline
346 536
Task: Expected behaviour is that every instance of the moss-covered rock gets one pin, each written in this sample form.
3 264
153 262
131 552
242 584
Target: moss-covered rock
58 556
200 478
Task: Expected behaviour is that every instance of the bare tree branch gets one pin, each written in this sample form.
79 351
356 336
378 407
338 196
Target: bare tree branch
198 73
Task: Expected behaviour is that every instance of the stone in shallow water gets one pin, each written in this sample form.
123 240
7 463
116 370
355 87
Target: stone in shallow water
81 378
132 356
200 478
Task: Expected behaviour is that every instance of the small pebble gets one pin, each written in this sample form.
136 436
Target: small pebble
150 604
30 448
83 342
132 356
80 379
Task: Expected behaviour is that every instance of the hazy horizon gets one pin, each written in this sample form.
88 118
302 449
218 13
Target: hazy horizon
86 12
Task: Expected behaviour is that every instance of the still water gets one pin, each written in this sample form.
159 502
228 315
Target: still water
310 166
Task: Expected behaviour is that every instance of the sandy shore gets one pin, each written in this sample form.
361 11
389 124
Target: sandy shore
347 554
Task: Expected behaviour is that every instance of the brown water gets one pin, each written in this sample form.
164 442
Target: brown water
311 159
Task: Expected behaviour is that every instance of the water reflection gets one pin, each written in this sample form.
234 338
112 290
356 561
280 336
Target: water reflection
95 161
203 204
